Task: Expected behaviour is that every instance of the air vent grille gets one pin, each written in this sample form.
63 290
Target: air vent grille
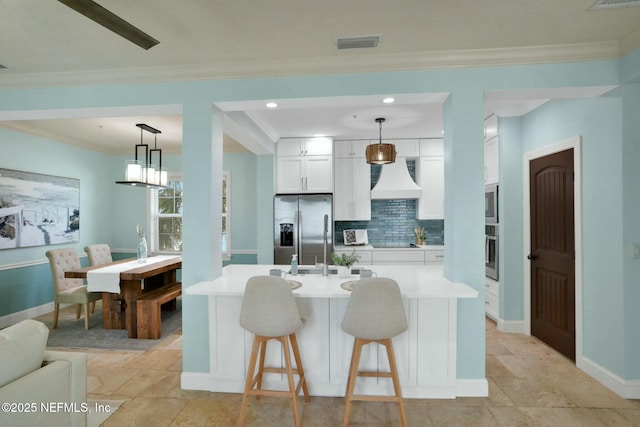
358 42
609 4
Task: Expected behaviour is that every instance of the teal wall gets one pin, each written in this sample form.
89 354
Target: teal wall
599 120
599 123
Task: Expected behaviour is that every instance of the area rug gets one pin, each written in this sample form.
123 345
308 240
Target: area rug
70 333
100 410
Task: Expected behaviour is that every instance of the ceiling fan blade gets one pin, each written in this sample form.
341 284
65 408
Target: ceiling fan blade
111 21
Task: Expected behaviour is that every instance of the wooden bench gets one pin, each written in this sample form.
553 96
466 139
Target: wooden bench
148 309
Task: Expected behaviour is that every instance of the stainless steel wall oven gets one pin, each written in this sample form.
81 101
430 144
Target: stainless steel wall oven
491 246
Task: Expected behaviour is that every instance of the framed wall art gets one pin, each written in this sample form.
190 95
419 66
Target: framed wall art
37 209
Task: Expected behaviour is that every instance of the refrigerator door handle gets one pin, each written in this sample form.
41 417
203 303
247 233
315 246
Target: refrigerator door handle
296 232
297 244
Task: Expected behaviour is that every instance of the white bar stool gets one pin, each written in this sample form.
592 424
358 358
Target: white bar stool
269 311
374 314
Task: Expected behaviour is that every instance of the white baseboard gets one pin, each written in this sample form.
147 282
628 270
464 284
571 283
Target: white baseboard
463 388
628 389
196 381
511 326
472 388
30 313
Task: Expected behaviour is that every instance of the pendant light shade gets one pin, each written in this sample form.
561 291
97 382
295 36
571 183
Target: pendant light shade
380 153
146 173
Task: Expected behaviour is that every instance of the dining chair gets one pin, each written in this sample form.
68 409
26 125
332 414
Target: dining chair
98 254
374 314
269 311
69 291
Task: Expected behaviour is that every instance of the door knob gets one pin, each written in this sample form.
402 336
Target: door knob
531 257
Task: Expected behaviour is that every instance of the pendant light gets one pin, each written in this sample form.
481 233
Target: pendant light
147 174
381 153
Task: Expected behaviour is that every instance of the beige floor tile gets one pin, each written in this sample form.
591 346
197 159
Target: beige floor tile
150 383
146 412
529 385
155 359
588 393
577 417
462 417
539 392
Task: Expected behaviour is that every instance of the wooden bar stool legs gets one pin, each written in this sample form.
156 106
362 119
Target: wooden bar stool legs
289 344
375 314
354 373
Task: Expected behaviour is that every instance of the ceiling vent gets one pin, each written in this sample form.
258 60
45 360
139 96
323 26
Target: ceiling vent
609 4
358 42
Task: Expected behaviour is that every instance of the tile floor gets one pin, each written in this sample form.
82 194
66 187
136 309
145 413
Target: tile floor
529 385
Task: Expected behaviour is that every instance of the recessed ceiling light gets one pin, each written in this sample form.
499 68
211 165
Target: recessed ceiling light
389 100
271 105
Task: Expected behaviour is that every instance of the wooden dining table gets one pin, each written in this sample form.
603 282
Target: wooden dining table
119 309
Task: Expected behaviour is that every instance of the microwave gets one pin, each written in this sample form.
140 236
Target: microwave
491 204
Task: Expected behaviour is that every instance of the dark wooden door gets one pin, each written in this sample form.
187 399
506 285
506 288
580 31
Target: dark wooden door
553 251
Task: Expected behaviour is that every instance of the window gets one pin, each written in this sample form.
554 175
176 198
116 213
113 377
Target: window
165 220
167 216
226 220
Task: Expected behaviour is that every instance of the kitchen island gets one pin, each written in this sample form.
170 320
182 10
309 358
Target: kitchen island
425 353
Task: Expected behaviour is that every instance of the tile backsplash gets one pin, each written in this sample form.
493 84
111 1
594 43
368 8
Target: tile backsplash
392 221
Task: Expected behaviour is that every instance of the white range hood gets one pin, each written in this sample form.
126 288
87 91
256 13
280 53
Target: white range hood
395 182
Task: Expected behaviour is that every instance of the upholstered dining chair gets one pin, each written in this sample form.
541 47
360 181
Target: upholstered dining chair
69 291
98 254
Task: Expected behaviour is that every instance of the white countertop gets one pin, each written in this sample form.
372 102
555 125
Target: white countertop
420 281
380 248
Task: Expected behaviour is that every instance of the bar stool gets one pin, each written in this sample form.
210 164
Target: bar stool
269 311
374 314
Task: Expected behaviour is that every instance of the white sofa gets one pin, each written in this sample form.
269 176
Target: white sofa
40 387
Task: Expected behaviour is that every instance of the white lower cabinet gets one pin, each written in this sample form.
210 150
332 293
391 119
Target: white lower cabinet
395 256
492 298
398 257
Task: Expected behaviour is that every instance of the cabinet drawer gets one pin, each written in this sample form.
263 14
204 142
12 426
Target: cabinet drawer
492 286
491 304
399 257
434 256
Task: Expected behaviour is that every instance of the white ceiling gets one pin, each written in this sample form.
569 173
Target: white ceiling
43 42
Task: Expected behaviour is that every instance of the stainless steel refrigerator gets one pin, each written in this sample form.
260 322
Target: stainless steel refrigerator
299 226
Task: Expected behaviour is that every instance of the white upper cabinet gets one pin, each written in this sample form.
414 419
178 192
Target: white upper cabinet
350 149
430 177
352 190
304 147
491 161
491 150
406 147
304 165
490 127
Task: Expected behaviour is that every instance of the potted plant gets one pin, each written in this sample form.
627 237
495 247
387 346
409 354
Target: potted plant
344 262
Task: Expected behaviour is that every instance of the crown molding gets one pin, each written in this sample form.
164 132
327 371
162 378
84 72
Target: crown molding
344 62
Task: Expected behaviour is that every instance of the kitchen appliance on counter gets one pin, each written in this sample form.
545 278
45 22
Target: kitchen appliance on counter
299 227
491 251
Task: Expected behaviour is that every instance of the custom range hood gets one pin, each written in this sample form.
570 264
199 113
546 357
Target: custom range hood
396 183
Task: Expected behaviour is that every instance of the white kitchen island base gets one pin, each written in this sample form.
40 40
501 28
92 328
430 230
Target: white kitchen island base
425 353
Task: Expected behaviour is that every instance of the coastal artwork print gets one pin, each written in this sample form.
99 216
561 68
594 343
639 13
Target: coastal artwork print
37 209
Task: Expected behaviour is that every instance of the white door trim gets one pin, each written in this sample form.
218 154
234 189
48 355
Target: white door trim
575 143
